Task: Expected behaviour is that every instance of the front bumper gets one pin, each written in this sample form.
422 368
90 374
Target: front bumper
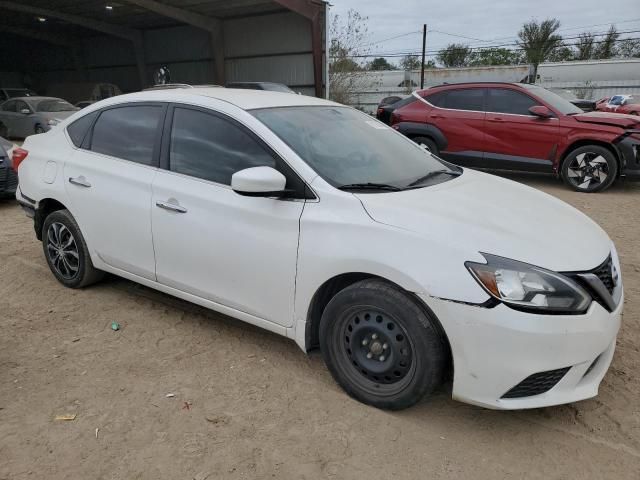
629 147
495 349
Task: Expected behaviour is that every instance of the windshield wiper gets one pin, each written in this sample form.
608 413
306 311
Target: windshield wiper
426 177
369 186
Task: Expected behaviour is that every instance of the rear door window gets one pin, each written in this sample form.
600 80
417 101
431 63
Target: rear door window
128 132
502 100
463 99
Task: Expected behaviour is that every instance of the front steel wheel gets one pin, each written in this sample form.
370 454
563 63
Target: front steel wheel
381 346
589 169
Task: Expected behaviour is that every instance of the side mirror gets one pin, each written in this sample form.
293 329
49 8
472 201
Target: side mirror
259 182
541 111
25 111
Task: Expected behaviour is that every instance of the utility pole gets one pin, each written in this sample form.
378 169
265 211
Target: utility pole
424 47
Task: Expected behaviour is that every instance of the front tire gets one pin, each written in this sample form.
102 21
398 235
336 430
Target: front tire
428 144
381 346
39 129
66 251
589 169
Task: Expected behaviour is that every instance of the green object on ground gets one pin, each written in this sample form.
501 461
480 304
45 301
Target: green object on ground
115 326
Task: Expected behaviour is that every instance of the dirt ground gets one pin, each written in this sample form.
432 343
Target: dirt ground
250 404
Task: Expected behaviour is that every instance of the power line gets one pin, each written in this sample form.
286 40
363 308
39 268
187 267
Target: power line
502 45
433 53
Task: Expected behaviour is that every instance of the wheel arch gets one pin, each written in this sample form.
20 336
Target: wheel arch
46 206
332 286
589 141
415 129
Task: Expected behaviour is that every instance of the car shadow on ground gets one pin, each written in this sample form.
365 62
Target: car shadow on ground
439 406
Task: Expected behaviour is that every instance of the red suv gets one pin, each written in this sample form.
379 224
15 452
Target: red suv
522 127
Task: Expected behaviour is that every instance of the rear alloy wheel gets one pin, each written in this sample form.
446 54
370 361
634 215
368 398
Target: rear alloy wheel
381 346
589 169
428 144
66 251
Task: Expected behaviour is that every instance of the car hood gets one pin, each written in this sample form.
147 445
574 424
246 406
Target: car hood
478 212
607 118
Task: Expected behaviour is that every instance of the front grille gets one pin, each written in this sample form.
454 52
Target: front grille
8 180
605 273
537 383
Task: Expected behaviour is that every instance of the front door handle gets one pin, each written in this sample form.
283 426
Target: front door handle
79 181
171 207
496 119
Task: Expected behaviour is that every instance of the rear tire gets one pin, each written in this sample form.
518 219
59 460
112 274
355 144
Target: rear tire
66 251
4 132
428 144
589 169
381 346
39 129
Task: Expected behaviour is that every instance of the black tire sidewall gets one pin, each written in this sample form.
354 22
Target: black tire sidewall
433 148
85 267
429 351
606 154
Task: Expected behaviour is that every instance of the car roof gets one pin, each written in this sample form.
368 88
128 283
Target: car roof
245 99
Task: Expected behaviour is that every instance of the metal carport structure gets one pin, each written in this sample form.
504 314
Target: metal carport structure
123 42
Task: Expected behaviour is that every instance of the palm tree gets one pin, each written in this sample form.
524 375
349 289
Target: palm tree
538 40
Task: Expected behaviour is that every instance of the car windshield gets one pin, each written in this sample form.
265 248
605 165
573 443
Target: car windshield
554 100
348 148
20 92
55 106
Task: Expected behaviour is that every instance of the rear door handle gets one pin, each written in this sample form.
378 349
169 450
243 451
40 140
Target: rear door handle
171 207
496 119
79 181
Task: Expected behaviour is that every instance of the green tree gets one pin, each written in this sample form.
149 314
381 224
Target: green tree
585 47
381 63
607 46
454 55
410 62
413 62
538 41
562 54
495 56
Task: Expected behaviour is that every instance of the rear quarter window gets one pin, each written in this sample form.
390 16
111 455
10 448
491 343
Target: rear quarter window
78 130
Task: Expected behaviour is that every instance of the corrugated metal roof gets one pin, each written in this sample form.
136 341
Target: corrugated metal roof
125 14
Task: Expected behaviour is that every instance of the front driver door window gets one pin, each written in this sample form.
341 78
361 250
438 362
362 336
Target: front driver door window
234 250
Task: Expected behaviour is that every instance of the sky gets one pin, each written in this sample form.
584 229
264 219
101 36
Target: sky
485 23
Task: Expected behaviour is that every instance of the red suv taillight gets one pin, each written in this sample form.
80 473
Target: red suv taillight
18 155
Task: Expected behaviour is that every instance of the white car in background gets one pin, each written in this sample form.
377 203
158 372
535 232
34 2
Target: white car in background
317 222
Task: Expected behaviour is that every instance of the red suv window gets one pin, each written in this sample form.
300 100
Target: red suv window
502 100
460 99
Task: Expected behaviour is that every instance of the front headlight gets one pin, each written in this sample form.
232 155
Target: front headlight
528 287
53 122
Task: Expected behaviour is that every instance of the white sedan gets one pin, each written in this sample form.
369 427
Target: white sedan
317 222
